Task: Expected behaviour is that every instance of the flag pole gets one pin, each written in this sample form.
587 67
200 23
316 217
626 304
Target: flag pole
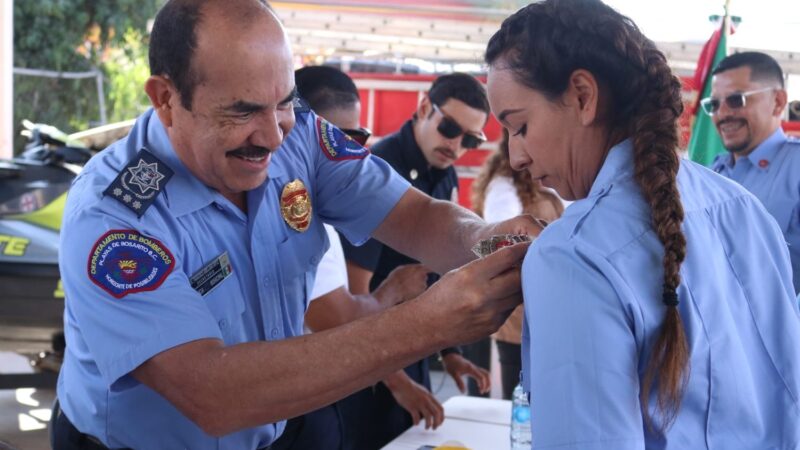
704 142
726 24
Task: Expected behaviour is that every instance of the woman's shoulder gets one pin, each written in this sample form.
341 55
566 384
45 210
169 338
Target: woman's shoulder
605 222
702 188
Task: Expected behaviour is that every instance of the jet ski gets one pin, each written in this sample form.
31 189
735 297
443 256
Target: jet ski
33 190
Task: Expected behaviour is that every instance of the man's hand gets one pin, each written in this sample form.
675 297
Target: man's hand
403 283
414 398
471 302
458 366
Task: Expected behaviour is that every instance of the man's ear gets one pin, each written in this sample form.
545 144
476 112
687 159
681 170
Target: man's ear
162 96
425 107
781 99
584 89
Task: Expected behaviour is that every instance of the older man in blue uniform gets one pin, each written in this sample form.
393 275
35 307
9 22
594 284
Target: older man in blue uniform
747 103
189 248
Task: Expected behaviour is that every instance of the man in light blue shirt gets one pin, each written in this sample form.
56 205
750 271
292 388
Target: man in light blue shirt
746 104
189 249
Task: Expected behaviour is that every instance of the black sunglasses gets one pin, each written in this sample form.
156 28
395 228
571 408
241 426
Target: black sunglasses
738 100
360 135
450 129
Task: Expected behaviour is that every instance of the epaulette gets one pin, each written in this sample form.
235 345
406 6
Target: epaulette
139 182
300 105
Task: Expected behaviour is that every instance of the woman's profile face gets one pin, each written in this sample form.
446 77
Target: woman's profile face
546 138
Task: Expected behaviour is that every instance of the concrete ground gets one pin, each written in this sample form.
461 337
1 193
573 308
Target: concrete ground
25 413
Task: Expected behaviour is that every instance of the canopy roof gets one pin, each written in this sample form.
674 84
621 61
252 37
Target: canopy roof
447 32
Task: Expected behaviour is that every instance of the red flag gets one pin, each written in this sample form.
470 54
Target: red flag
704 65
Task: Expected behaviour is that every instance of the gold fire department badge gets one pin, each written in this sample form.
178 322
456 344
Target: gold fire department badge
296 206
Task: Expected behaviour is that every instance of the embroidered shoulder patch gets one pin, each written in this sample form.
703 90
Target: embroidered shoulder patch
125 261
336 145
140 182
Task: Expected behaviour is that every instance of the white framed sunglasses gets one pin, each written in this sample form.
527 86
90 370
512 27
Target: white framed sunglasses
738 100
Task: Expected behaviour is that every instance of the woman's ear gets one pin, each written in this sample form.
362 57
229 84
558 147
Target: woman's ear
583 86
161 92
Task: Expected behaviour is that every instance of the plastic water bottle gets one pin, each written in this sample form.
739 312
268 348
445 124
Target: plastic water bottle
520 420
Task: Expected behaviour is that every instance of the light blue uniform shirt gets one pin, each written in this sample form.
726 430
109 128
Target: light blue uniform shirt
264 298
592 284
772 173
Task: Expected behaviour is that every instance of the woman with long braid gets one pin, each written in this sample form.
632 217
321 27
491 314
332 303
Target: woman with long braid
660 309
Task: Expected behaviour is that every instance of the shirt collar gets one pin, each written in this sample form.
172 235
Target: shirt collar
185 193
414 158
723 160
618 165
767 150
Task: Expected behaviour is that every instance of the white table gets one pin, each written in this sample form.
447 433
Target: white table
478 423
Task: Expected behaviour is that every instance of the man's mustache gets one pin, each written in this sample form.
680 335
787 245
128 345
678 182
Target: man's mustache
731 120
249 152
449 153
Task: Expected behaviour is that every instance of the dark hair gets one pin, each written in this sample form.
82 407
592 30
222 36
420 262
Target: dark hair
543 44
499 165
762 66
325 87
172 43
173 40
459 86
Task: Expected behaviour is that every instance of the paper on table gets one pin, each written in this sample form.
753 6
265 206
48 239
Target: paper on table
487 410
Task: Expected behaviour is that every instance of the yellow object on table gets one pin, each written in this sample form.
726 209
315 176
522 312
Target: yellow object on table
451 445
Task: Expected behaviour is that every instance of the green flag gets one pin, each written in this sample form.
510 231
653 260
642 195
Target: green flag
705 143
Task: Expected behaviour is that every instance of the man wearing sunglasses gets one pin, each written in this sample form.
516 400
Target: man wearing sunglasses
747 103
448 121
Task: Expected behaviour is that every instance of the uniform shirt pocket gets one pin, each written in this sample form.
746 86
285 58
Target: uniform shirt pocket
226 304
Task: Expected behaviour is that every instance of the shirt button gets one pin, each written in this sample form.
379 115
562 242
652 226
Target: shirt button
266 281
219 207
275 333
223 324
763 163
